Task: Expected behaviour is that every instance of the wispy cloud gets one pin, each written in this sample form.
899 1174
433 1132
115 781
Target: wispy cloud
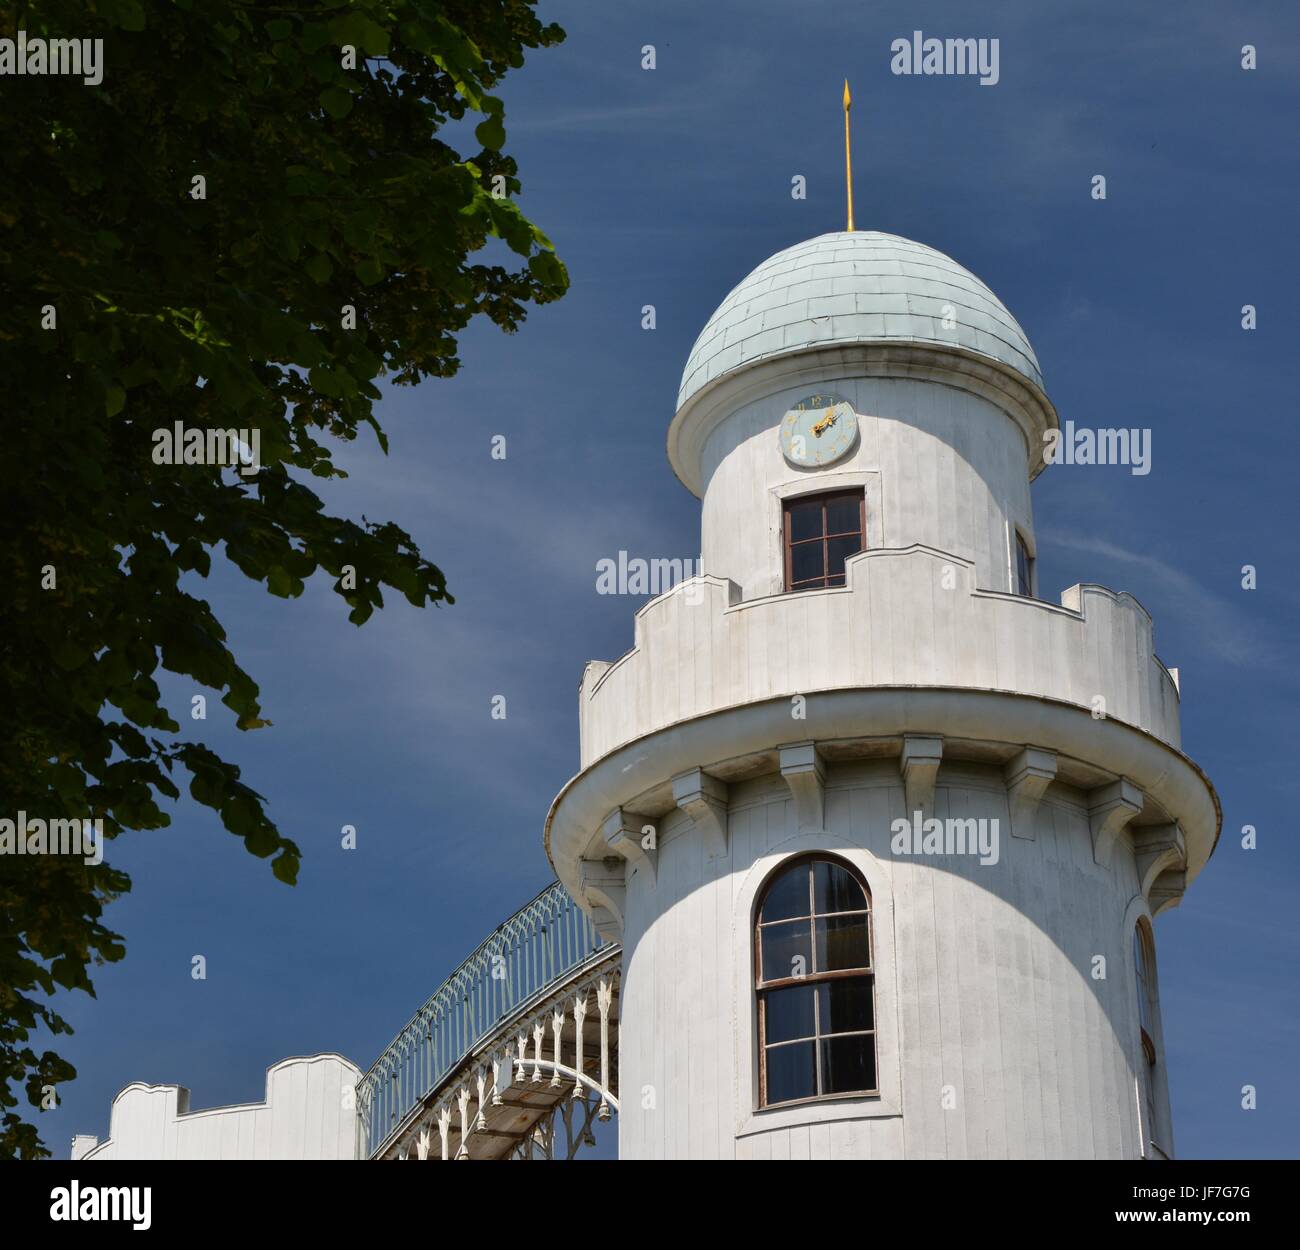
1225 629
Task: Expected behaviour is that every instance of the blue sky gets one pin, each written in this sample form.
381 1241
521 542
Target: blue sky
665 187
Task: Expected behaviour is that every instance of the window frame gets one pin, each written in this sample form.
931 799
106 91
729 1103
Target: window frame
1144 976
761 988
787 545
1022 548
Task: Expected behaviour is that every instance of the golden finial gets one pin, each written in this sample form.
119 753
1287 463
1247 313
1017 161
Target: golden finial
848 159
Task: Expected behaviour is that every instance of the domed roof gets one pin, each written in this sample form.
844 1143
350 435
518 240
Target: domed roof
854 287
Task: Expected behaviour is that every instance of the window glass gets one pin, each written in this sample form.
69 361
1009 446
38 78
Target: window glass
787 897
1146 1012
791 1072
1024 567
839 549
815 985
787 950
847 1065
841 943
844 514
805 520
845 1005
820 533
1143 979
791 1013
835 888
806 561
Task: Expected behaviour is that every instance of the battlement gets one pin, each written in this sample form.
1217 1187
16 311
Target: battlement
907 617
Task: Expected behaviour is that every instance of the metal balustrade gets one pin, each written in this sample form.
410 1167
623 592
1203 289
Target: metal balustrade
537 948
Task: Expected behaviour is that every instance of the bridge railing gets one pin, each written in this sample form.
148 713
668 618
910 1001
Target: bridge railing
538 946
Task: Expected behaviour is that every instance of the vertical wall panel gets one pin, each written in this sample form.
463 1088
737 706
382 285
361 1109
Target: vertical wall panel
990 976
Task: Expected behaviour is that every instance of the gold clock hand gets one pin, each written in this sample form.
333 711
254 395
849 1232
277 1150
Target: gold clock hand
825 423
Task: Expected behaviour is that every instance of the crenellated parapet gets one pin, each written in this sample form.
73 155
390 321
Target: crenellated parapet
308 1112
907 617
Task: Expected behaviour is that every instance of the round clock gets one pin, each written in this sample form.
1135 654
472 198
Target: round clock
818 430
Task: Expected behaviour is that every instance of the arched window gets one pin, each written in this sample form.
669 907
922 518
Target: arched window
1144 965
815 983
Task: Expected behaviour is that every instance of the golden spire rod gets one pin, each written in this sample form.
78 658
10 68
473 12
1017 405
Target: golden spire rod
848 158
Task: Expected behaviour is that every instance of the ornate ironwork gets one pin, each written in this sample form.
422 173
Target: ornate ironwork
540 946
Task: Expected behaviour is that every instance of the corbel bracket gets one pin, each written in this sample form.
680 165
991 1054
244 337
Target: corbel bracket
1027 776
919 765
704 799
624 834
805 773
1110 808
602 882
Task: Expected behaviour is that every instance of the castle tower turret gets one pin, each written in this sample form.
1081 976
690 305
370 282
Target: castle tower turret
882 833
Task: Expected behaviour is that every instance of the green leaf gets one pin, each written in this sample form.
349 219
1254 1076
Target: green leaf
285 867
114 400
283 584
325 382
358 29
336 101
369 271
67 655
548 269
491 133
315 35
262 842
128 14
319 269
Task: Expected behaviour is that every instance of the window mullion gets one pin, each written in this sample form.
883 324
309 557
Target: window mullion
817 1038
826 554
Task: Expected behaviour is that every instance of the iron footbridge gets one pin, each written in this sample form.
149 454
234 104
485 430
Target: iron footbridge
514 1055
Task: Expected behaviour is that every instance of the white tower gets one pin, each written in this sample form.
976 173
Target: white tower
882 834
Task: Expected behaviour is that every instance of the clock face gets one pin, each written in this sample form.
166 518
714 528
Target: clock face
818 430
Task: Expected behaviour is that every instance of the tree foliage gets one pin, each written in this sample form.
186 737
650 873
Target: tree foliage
136 296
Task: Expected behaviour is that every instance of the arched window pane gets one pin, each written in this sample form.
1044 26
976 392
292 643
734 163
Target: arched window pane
787 896
834 889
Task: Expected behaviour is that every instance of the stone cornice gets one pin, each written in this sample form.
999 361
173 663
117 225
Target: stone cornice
1160 771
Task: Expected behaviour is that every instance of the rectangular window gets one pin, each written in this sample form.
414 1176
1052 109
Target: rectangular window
820 532
1024 569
